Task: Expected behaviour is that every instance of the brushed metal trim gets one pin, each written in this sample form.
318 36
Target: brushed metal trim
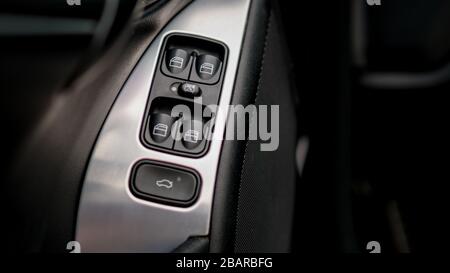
110 218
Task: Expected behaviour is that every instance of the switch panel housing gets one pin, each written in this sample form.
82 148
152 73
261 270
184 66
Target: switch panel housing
190 77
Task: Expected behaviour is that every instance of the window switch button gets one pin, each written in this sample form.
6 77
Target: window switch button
207 69
176 60
160 127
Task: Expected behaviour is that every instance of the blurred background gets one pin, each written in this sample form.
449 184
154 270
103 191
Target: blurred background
373 83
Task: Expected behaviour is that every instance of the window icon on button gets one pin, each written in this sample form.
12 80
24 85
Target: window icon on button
176 62
207 68
191 136
160 129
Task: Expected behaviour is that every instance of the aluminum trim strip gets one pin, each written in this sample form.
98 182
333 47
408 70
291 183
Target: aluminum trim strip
110 218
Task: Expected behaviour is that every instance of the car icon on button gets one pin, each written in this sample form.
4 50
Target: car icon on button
164 183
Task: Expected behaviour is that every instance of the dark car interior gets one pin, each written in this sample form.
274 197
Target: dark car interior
92 153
